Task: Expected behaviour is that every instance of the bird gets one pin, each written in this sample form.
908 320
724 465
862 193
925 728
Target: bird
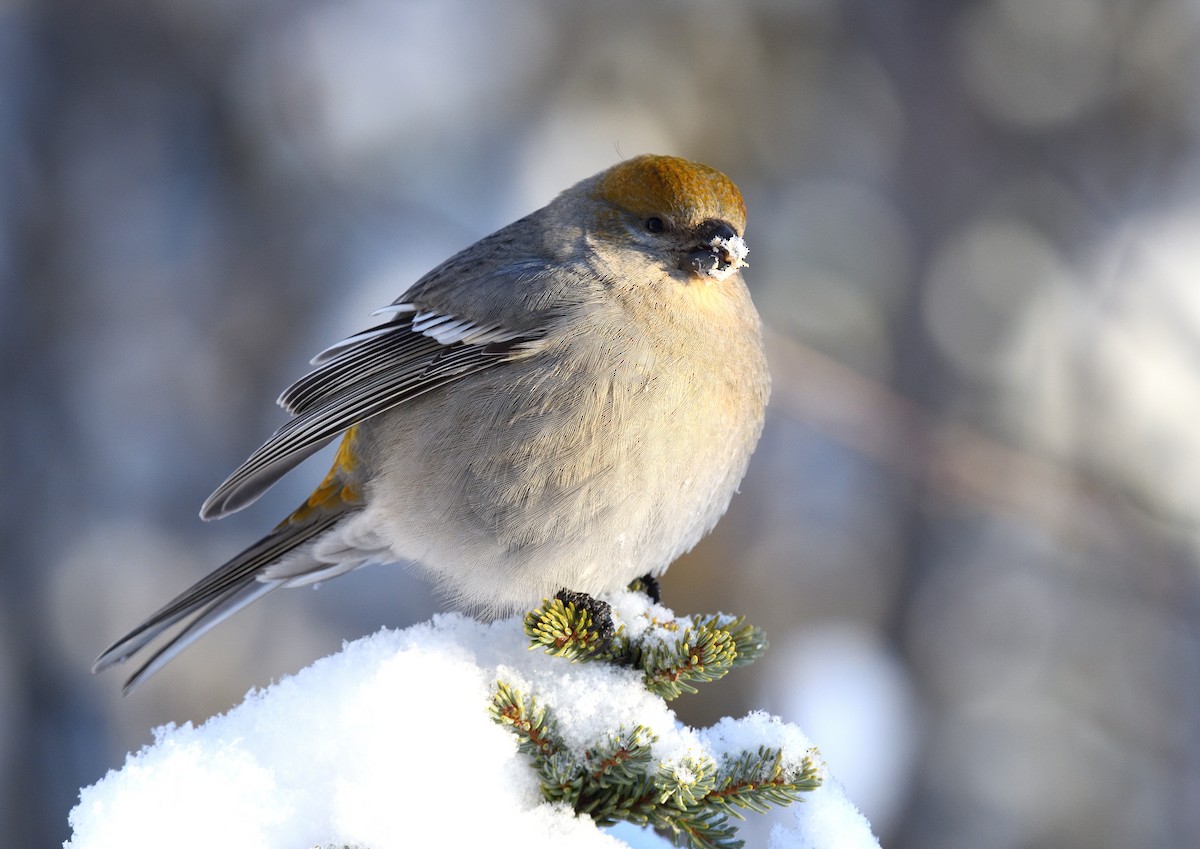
569 403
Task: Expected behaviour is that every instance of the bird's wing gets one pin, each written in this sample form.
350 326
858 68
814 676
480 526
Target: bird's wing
414 352
483 306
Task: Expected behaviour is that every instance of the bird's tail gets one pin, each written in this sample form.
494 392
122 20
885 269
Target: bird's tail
216 597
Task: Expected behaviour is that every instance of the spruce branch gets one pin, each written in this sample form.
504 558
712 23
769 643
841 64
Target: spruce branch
757 780
684 783
701 653
703 829
689 796
672 654
617 778
526 718
562 777
749 642
565 626
622 758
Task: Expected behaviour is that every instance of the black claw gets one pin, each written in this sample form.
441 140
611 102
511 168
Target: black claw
647 584
601 612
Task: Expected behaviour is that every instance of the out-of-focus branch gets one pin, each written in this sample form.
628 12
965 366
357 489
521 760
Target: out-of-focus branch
955 461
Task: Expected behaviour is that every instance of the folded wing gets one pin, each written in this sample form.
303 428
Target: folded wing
411 354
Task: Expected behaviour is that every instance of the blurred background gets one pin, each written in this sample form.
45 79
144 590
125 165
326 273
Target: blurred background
972 527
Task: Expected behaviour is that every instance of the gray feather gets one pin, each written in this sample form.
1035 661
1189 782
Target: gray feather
214 597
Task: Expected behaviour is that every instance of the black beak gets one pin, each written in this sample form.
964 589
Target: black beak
705 257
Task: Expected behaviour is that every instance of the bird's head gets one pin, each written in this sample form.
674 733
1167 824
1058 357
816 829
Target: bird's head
688 216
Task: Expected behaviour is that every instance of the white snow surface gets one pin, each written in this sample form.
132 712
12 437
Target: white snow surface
388 743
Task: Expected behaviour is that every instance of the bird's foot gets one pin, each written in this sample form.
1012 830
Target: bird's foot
600 611
648 585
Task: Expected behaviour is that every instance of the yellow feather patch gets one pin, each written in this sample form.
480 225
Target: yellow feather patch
335 490
666 185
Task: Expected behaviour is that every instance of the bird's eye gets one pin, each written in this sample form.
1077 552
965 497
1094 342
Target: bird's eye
655 225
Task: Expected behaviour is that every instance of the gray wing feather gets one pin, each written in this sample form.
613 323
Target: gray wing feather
375 375
451 323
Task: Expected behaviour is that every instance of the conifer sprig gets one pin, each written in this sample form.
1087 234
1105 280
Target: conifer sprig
671 654
688 796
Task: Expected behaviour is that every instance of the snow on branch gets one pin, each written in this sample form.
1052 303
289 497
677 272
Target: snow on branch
453 733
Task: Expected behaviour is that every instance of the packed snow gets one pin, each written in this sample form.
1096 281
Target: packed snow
389 744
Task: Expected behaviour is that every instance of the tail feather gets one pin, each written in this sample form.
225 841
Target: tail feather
217 611
215 597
